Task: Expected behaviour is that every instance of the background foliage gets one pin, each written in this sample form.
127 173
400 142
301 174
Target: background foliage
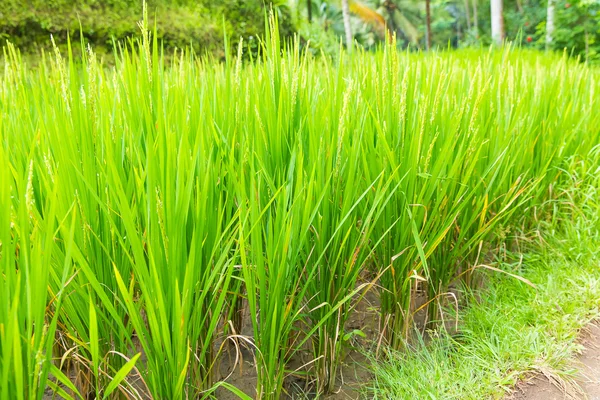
203 23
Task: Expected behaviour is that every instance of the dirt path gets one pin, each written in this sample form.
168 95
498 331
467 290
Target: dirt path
587 379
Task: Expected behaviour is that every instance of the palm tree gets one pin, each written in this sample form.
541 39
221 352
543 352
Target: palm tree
385 17
393 16
549 24
347 26
497 21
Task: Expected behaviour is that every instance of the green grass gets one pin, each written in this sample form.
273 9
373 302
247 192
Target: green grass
155 200
509 328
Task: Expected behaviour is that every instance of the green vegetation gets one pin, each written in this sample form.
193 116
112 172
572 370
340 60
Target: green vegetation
574 26
29 23
454 24
510 328
146 206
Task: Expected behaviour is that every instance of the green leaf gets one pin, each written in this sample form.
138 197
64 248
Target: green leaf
94 345
355 332
62 379
120 375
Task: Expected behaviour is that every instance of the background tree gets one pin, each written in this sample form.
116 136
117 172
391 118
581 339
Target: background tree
475 19
555 25
497 21
549 24
347 26
428 23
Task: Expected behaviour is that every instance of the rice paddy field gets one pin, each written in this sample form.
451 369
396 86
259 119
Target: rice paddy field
160 214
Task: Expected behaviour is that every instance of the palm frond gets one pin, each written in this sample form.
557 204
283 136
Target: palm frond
370 16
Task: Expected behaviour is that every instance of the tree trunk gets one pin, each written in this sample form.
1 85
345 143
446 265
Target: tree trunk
428 22
468 14
520 7
309 10
475 19
497 22
549 24
587 46
347 27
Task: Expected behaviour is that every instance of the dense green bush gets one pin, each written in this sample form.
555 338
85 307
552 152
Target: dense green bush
578 28
29 23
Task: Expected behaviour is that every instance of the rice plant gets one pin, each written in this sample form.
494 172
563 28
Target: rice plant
147 207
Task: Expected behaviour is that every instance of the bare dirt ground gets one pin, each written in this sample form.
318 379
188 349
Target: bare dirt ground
586 383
